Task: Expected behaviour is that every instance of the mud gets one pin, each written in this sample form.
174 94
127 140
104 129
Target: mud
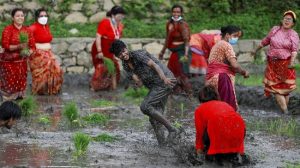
32 144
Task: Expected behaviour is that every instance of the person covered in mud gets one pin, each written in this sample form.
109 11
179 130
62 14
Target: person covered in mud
220 130
146 70
222 65
280 75
9 113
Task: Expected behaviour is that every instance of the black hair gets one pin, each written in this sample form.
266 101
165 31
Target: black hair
230 29
9 109
38 12
208 93
116 47
177 6
116 10
15 10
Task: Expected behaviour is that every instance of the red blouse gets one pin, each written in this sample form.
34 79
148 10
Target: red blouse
41 33
225 128
106 30
177 32
10 36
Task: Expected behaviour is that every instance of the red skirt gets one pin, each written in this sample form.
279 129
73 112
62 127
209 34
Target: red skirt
279 79
198 64
101 79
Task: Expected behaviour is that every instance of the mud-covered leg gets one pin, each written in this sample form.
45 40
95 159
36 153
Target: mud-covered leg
158 130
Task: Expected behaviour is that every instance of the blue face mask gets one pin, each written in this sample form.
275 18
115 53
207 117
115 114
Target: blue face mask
233 40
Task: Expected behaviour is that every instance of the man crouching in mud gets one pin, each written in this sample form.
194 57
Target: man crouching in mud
143 68
9 113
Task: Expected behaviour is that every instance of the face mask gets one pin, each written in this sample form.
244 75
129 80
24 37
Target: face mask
43 20
178 19
233 40
113 20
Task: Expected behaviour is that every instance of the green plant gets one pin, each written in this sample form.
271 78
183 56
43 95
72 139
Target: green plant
96 119
177 124
44 120
136 92
23 37
28 106
109 64
81 142
104 138
70 111
102 103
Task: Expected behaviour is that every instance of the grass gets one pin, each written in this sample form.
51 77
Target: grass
28 106
44 120
278 126
81 143
96 118
70 111
104 138
102 103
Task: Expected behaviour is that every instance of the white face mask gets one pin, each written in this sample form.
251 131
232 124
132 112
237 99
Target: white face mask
43 20
178 19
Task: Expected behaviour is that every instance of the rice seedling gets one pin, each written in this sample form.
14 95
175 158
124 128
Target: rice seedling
23 37
177 124
96 118
81 142
44 120
109 64
136 92
28 106
102 103
293 165
297 67
70 111
104 138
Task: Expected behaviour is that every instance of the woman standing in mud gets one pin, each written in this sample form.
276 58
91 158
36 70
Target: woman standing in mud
280 75
177 40
18 44
220 130
109 29
47 76
146 70
222 65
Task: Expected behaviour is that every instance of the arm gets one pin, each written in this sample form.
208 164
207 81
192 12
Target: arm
185 33
6 34
98 46
294 49
163 50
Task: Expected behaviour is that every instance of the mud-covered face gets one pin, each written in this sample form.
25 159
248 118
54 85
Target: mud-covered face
8 123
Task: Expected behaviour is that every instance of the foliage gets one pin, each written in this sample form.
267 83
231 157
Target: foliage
70 111
96 118
105 138
23 37
81 142
136 92
177 124
28 106
109 64
102 103
44 120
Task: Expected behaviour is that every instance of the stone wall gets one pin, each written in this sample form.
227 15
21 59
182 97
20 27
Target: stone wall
74 53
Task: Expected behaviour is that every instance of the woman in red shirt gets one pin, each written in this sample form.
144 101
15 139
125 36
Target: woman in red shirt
177 41
47 76
109 29
220 130
13 63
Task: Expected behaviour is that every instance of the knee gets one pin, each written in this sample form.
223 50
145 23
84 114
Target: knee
145 108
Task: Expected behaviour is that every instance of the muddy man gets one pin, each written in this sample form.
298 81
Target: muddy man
9 113
146 70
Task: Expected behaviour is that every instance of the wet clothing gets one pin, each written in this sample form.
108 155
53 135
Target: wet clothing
224 126
279 79
101 78
220 74
13 67
47 75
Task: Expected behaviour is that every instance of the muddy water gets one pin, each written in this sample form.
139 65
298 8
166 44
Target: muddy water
32 144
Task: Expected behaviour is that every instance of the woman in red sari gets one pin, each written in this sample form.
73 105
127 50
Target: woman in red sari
109 29
177 41
222 65
220 130
280 75
47 76
13 65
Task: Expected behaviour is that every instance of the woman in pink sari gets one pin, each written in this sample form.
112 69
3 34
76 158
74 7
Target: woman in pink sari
222 65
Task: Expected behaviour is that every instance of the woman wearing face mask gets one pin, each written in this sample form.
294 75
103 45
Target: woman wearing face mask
13 62
47 76
222 65
109 29
177 41
280 75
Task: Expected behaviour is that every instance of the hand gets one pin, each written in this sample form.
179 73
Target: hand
170 81
161 55
22 46
291 65
138 83
246 74
184 58
100 55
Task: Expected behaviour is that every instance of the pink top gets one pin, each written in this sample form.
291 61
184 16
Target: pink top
282 43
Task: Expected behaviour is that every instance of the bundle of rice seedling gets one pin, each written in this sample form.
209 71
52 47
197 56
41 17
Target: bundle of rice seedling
23 37
96 118
70 111
109 64
81 143
105 138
